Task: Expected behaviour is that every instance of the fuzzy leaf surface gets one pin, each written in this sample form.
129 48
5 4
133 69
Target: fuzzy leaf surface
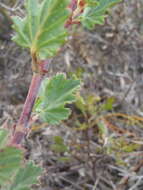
42 29
26 176
54 95
4 136
95 12
10 162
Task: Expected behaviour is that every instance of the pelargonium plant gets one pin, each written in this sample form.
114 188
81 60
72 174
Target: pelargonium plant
44 29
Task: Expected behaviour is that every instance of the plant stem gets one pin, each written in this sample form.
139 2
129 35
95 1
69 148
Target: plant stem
22 125
30 100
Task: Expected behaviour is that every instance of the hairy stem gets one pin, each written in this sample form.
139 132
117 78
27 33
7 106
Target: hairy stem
22 124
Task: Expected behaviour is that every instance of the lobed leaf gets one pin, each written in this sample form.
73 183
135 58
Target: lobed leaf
13 174
95 12
54 95
25 177
59 145
10 162
4 136
42 30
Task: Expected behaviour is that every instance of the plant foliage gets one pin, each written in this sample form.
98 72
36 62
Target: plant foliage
42 30
10 161
53 96
95 12
14 174
26 176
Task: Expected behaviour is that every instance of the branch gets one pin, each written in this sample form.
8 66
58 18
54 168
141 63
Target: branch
21 128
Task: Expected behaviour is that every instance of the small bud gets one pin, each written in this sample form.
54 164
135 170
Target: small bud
43 66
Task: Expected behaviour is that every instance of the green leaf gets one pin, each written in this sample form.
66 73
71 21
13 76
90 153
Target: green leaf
59 145
64 159
95 12
103 129
91 2
10 162
109 104
59 148
26 176
80 104
4 136
53 96
42 30
58 140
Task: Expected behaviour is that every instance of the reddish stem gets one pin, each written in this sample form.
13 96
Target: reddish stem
77 8
73 5
21 127
40 68
30 100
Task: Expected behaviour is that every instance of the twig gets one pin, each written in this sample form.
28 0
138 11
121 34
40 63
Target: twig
11 9
136 184
125 179
72 183
39 68
21 128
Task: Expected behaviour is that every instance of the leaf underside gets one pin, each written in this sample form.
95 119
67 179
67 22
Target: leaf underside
95 12
54 95
42 30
